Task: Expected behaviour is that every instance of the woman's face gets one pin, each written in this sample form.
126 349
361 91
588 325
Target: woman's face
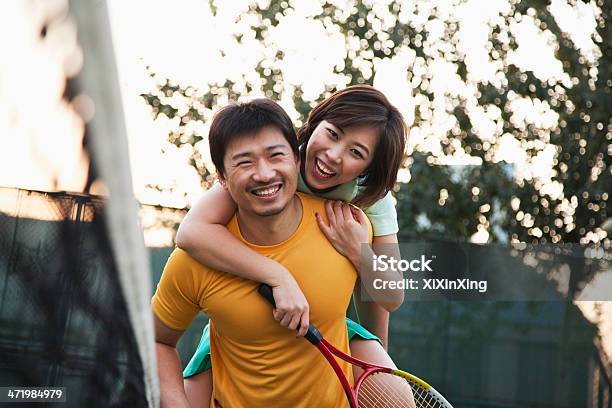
336 156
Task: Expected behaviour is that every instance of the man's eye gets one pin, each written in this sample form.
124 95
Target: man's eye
243 163
277 154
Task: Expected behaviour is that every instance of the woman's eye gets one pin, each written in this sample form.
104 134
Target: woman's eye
332 134
278 154
243 163
357 153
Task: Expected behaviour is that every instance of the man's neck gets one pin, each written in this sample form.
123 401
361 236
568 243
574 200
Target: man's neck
272 229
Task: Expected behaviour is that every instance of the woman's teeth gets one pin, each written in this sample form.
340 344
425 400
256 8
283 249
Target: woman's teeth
267 191
323 169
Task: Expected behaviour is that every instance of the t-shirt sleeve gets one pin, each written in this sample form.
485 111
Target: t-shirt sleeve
175 301
383 216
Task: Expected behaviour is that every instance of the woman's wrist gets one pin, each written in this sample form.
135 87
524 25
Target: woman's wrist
355 255
276 274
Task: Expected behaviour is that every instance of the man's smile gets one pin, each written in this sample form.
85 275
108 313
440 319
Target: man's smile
268 192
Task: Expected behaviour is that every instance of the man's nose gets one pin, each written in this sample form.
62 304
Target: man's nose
264 172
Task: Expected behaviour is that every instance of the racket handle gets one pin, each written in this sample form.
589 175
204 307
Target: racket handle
312 335
266 291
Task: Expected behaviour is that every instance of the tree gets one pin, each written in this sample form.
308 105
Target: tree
472 119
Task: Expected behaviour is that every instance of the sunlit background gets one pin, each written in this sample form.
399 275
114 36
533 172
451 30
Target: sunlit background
508 104
460 49
198 47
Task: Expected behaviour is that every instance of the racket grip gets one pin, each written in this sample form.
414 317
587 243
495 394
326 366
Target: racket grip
312 335
266 291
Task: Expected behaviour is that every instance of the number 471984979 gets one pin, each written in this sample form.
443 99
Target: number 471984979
17 394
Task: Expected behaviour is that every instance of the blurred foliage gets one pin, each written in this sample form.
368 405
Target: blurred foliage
451 201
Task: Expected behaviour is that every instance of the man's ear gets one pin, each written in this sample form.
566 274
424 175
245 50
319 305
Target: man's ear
222 180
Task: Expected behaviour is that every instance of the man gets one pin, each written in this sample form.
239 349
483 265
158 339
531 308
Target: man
256 362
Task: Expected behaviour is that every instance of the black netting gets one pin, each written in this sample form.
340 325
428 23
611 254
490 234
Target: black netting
63 319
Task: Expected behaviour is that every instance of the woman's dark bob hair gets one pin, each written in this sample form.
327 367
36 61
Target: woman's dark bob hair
363 105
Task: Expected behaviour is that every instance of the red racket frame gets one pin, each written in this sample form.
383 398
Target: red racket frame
329 350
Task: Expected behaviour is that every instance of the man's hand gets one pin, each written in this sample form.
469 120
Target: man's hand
292 310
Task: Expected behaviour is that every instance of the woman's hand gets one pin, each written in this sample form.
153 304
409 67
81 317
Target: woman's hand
347 230
292 310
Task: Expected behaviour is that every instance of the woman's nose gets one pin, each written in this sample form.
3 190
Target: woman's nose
334 154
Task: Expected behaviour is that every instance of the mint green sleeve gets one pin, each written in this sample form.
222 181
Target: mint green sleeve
383 216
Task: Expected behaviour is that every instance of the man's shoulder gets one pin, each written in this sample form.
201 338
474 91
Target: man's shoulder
185 271
180 258
309 200
313 204
179 255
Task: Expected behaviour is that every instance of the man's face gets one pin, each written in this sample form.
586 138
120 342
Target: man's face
260 172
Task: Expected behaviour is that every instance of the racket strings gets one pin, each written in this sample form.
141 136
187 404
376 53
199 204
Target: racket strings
423 398
384 390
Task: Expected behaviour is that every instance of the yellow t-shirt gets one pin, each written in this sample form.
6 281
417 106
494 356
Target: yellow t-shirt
256 362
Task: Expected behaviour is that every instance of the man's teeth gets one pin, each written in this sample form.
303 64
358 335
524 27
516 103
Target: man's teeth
266 192
324 169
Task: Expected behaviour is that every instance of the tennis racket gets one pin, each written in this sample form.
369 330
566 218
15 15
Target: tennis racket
377 386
